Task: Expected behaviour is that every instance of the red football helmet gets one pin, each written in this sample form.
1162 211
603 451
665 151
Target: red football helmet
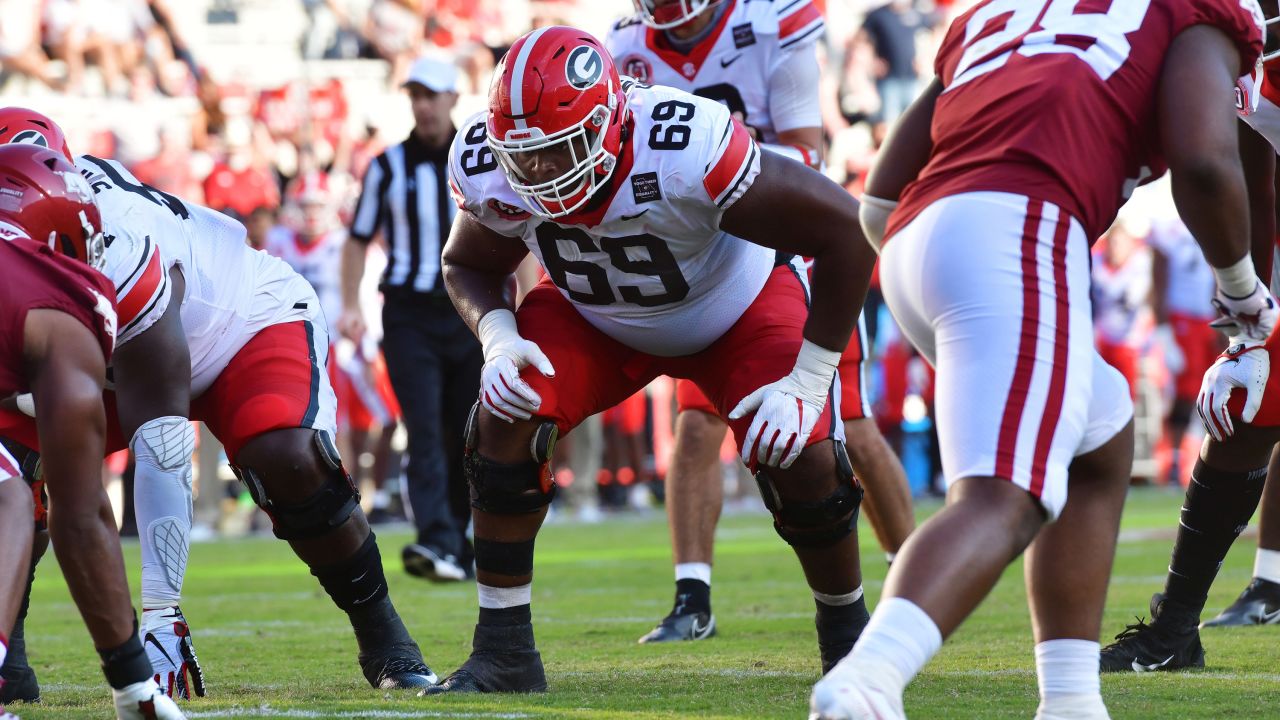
20 125
556 111
666 15
44 197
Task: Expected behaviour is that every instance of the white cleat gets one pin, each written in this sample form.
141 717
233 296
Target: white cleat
848 693
145 701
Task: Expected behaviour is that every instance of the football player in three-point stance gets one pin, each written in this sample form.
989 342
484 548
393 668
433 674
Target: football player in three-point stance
665 232
215 331
759 59
1232 471
58 328
1002 179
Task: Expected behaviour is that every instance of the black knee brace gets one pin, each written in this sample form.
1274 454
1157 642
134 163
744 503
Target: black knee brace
815 524
506 488
326 510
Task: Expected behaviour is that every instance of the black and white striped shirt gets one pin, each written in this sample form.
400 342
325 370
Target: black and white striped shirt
405 196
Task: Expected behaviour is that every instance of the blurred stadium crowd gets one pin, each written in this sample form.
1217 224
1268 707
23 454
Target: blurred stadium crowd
249 106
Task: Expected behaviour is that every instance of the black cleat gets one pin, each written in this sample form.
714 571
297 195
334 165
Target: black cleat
399 672
688 626
1259 604
1170 642
19 682
503 659
430 563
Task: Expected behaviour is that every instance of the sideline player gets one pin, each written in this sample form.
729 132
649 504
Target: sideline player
1002 181
657 219
57 331
759 59
1232 469
256 343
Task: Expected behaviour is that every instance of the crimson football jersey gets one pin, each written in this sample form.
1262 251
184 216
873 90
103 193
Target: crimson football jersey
1056 99
38 278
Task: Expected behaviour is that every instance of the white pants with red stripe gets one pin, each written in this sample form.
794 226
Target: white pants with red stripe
993 289
8 466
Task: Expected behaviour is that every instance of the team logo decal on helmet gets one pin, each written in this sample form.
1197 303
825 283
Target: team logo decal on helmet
30 137
638 68
584 67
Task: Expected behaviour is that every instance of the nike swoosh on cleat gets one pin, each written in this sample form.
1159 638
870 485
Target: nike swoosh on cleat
1139 667
152 639
1270 618
700 631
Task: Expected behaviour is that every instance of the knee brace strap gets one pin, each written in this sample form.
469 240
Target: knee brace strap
815 524
504 488
326 510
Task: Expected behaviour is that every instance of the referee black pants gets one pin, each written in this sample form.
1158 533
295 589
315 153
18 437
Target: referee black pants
434 362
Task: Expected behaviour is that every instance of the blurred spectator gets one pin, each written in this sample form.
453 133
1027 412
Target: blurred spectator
170 169
20 41
241 183
1120 291
891 31
258 226
395 28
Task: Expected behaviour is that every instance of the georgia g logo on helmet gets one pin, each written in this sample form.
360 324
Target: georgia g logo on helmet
584 67
30 137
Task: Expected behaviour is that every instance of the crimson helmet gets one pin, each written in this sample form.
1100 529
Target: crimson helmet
20 125
311 199
556 94
44 197
664 16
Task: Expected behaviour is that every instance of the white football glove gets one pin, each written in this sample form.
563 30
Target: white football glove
145 701
1241 366
502 392
1248 319
787 410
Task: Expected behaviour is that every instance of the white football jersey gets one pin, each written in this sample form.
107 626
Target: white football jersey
650 267
732 64
1120 294
1190 286
232 291
319 263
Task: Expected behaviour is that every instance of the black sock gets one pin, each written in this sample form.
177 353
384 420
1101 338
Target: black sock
357 581
1216 510
506 617
839 627
692 596
126 664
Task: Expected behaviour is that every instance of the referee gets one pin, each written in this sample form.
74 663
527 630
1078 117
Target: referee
432 357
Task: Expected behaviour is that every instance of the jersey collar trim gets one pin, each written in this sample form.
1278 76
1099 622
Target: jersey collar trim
687 65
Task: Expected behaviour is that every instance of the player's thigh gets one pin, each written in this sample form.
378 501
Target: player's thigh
759 349
276 381
593 371
1003 285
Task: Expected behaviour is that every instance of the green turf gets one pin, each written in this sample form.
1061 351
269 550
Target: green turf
273 646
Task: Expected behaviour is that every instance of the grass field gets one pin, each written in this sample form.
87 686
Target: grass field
273 646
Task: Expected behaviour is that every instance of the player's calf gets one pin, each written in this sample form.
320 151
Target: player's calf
297 477
513 497
814 504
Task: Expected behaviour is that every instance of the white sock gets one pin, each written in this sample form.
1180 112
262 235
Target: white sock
496 598
1067 669
838 600
900 636
694 571
162 500
1266 565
